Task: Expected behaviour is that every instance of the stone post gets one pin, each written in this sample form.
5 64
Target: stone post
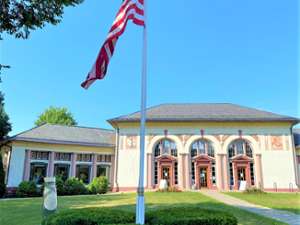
50 196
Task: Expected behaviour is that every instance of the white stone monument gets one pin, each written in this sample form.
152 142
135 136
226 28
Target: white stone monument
163 185
50 196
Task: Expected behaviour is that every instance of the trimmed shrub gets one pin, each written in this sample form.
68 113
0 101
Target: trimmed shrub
189 216
90 216
27 189
254 190
99 185
169 189
74 186
168 216
60 185
2 178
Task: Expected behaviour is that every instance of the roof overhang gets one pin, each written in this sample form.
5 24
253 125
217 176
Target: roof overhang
115 121
51 141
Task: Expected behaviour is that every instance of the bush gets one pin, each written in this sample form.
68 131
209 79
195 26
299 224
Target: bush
27 189
254 190
169 189
168 216
90 216
189 216
99 185
73 186
2 178
60 185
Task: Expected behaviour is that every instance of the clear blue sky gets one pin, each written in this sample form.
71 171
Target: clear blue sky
243 52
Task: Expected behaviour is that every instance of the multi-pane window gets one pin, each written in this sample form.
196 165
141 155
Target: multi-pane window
213 173
193 172
248 150
231 151
59 156
103 171
165 147
83 173
37 172
176 173
252 173
240 147
201 147
231 174
104 158
155 173
39 155
62 170
193 152
84 157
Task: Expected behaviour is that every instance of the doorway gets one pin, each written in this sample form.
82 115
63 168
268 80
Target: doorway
165 174
241 171
203 176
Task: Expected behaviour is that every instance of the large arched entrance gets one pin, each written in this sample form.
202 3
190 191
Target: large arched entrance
203 170
165 162
241 164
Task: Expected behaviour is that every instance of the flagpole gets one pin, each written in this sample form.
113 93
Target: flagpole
140 202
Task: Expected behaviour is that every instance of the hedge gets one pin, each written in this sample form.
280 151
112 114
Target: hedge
189 216
168 216
27 189
90 216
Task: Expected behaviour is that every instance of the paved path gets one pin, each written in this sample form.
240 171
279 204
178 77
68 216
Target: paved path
284 216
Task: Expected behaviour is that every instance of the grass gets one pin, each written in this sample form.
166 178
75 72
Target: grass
28 211
283 201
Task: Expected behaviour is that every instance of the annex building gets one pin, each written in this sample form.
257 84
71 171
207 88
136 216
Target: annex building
191 146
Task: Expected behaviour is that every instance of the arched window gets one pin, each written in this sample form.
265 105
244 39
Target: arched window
202 147
165 147
240 147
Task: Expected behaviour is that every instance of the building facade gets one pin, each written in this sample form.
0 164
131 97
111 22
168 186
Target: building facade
190 146
54 150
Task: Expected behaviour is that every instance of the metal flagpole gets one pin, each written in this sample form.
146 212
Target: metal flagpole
140 202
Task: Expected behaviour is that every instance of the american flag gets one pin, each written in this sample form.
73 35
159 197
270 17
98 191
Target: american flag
130 10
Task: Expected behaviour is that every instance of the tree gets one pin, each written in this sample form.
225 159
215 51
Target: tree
56 115
2 178
5 126
20 17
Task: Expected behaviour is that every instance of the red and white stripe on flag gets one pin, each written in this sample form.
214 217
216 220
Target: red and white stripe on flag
130 10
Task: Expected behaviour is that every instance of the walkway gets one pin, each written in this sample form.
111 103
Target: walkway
280 215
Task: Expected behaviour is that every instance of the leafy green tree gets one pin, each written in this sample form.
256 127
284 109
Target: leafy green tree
5 126
2 178
20 17
56 115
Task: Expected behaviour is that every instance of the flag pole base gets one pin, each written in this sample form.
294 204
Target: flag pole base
140 210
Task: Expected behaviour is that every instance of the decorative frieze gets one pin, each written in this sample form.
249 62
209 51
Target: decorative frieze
276 142
131 142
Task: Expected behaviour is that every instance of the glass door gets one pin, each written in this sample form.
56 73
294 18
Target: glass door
203 177
165 174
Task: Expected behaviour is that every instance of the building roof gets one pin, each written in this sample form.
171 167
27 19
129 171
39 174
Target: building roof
296 133
204 112
74 135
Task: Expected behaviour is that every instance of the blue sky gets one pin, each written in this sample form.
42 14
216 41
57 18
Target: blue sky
243 52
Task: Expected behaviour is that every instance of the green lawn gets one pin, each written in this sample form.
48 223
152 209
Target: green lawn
282 201
28 211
